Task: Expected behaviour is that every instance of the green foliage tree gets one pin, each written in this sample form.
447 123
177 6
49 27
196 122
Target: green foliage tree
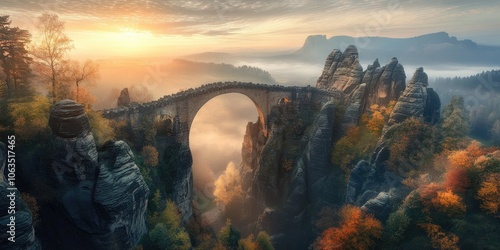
50 50
168 232
396 226
454 125
411 146
264 241
30 118
14 57
357 144
228 236
495 133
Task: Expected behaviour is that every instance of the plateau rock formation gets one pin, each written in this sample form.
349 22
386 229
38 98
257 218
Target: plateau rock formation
103 196
24 234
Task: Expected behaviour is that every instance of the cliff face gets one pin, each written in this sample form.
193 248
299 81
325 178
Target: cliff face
103 197
286 203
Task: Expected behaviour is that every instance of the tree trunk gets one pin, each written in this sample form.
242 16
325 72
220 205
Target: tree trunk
77 92
53 91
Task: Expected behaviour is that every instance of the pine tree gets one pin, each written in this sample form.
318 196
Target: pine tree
455 123
14 57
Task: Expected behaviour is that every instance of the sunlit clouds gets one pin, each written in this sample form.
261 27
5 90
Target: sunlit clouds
194 26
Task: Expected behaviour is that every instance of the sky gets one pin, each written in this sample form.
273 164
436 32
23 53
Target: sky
123 28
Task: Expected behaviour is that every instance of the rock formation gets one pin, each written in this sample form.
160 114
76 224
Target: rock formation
342 71
308 187
376 85
372 185
355 107
416 101
103 196
124 98
384 84
23 232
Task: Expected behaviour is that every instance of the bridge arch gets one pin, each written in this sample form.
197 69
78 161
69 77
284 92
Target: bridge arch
259 99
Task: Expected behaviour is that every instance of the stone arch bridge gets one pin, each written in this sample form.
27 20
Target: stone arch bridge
182 108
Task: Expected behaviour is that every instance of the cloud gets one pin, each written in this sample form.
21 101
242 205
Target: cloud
227 17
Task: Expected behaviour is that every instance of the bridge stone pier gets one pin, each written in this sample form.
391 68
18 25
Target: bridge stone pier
181 108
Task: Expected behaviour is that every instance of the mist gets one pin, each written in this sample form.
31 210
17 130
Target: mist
216 135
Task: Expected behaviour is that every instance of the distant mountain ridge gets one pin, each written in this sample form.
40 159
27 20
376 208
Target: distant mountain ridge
435 48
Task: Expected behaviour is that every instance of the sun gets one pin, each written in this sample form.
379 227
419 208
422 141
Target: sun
126 40
127 32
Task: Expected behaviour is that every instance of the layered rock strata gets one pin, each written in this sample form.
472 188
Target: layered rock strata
103 196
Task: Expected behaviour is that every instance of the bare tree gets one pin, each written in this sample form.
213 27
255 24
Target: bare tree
51 48
88 73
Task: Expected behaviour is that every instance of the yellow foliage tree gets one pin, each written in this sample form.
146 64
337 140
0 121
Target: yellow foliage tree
100 127
376 121
449 202
460 159
228 186
30 118
489 194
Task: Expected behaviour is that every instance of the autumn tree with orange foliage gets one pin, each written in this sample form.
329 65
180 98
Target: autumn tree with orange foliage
428 193
357 230
489 194
456 179
440 239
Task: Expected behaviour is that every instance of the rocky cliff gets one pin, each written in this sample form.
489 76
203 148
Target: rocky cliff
342 71
376 85
102 197
286 202
373 185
